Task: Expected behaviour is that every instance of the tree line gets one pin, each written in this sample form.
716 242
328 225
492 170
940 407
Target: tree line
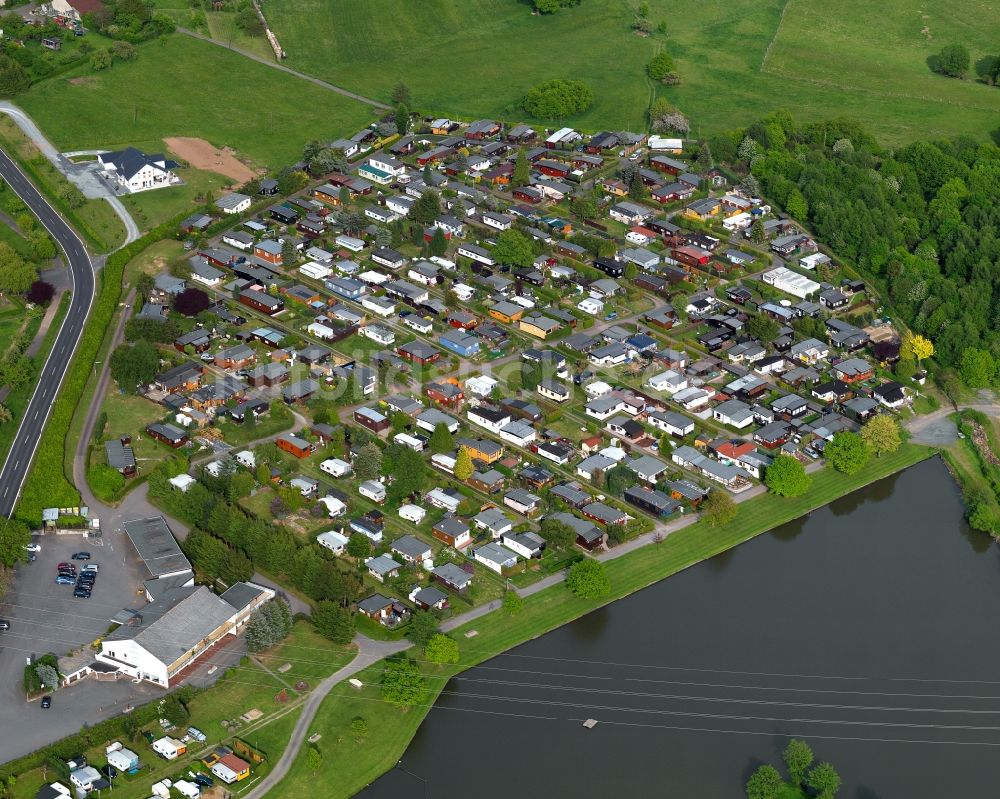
920 221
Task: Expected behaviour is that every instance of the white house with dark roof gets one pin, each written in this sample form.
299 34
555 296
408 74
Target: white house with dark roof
182 623
131 170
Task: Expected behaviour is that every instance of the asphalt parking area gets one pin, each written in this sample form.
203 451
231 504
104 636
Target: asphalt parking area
45 617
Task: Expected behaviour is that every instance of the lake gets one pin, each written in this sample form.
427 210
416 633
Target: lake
868 628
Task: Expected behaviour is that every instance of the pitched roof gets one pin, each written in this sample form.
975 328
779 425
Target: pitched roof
180 626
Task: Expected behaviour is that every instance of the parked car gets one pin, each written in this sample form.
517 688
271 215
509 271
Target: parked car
81 556
4 624
33 547
203 780
82 593
91 567
197 734
46 702
65 579
65 565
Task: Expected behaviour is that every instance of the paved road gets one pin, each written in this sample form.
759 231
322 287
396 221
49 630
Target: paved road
938 430
275 65
81 269
83 176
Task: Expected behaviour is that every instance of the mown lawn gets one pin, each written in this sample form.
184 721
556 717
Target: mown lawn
349 764
738 60
152 208
202 90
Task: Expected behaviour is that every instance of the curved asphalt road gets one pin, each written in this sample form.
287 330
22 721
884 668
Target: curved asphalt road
81 270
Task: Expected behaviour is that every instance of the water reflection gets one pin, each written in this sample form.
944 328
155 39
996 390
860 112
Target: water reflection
877 492
827 629
979 541
790 530
720 562
591 627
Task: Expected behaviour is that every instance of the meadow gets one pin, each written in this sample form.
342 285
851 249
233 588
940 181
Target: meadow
179 86
738 60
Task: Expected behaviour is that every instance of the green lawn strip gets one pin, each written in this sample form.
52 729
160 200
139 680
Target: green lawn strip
95 220
17 400
201 98
348 765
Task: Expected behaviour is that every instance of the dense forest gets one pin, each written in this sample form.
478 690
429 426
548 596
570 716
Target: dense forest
921 221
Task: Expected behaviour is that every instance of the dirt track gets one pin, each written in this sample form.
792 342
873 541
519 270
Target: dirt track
204 155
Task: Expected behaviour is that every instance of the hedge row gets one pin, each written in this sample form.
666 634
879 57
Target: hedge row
47 484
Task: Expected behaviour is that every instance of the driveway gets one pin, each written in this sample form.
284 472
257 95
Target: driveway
46 617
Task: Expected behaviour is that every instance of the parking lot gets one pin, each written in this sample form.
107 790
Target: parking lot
45 617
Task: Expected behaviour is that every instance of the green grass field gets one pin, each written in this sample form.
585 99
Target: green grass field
265 115
738 60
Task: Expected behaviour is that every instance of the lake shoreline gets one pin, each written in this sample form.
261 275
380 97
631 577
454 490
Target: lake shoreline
552 608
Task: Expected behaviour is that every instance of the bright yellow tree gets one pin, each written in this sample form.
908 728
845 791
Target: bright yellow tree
916 348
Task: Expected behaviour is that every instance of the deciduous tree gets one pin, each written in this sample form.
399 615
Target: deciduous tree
14 537
422 627
402 683
513 247
441 649
798 757
191 302
915 347
786 476
764 783
660 66
512 603
359 546
558 98
135 365
718 508
847 452
881 434
953 60
588 580
463 464
977 367
824 781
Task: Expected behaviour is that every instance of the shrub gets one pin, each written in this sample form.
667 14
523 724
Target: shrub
559 98
40 292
